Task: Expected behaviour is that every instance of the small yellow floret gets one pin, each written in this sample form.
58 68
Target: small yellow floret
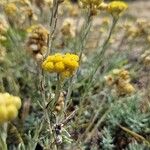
50 58
17 102
73 65
124 74
3 113
72 56
9 101
57 57
48 66
11 112
66 74
9 106
59 67
117 7
128 88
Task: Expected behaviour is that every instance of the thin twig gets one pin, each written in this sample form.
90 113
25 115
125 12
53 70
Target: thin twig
135 135
52 25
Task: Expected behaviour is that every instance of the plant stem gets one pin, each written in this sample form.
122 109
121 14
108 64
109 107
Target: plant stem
99 59
52 25
83 37
45 110
58 89
135 135
101 54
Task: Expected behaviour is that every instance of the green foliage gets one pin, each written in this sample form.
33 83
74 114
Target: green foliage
107 140
136 146
127 112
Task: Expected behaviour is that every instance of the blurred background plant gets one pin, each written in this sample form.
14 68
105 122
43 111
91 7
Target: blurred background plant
82 71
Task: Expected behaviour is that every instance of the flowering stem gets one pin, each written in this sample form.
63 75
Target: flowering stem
45 110
84 35
71 81
99 57
103 50
83 38
58 89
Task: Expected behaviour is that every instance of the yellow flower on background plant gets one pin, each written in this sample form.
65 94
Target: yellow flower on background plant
37 41
120 80
9 106
10 9
63 64
116 8
93 5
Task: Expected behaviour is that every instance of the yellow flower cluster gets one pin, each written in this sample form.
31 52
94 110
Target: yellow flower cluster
9 106
120 79
116 8
146 58
93 5
63 64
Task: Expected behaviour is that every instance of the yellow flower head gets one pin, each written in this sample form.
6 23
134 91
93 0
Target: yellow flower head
128 88
124 74
93 5
89 3
63 64
120 80
3 114
66 74
12 112
59 67
48 66
116 8
9 106
10 9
